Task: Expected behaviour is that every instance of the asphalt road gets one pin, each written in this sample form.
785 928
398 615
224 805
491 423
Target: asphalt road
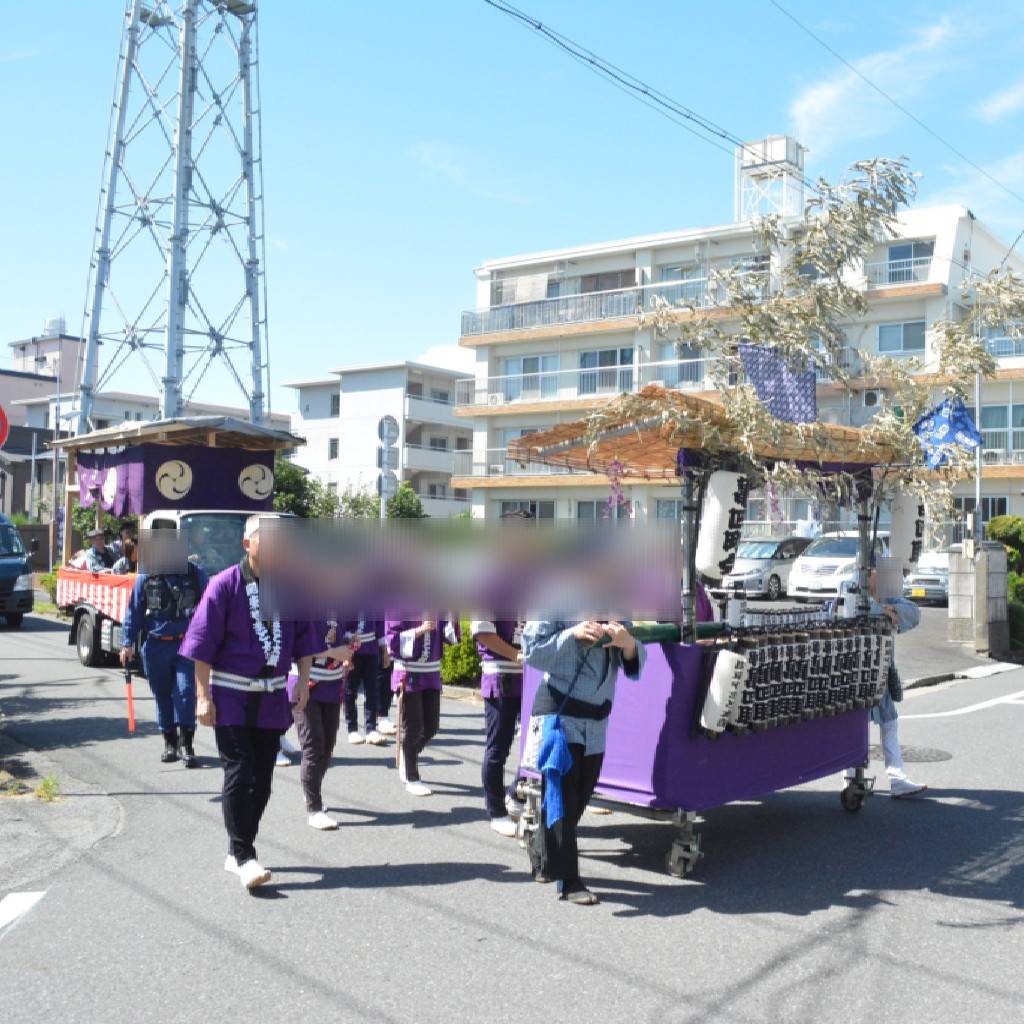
414 911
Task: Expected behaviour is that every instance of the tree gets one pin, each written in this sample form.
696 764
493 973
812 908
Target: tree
297 492
406 504
361 504
84 519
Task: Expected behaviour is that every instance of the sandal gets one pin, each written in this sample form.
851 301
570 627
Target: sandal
578 893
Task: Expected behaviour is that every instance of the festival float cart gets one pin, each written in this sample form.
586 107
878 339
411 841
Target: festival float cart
202 474
773 701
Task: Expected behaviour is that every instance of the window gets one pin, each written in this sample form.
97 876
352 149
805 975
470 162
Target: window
439 444
332 488
909 261
684 283
332 448
680 366
503 291
596 511
531 377
538 509
414 389
611 281
991 506
102 424
440 395
668 508
901 339
436 491
554 287
463 444
606 371
335 405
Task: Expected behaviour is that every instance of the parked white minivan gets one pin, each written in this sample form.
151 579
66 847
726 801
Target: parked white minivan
831 561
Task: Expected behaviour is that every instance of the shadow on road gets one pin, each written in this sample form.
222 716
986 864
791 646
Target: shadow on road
395 876
962 843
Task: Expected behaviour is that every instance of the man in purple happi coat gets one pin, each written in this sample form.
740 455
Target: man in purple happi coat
242 667
501 685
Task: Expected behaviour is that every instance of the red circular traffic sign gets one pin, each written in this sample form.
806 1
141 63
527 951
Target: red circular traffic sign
5 427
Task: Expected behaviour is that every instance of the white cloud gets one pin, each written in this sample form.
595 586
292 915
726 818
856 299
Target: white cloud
451 162
1002 103
451 357
987 200
843 107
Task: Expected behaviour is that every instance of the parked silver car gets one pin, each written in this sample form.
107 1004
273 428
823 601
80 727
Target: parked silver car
762 566
929 579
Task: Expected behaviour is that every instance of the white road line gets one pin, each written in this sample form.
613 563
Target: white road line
14 904
1010 698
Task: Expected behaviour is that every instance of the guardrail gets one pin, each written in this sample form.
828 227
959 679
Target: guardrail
880 275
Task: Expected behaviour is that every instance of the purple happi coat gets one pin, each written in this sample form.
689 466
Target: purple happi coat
221 634
327 675
417 658
499 677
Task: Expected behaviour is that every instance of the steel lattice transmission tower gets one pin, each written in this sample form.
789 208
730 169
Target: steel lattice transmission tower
177 281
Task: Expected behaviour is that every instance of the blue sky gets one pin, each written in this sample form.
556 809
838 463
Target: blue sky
406 142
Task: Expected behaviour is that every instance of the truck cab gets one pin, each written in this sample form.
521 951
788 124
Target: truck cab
16 590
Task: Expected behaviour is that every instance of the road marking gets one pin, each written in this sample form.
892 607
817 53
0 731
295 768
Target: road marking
13 905
1010 698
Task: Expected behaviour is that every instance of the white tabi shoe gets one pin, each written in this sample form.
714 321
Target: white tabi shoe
900 788
287 746
386 727
418 789
356 737
282 760
230 864
322 821
375 739
252 874
504 827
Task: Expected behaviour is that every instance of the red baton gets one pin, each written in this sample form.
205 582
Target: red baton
131 700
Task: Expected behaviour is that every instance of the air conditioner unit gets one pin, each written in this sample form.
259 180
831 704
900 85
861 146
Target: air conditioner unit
496 398
991 456
871 398
498 469
1018 458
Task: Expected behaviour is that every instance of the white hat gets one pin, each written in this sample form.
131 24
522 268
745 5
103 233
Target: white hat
253 523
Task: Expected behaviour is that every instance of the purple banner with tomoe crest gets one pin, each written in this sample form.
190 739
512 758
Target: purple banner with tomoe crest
151 476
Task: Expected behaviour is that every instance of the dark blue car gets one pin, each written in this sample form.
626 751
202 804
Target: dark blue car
16 591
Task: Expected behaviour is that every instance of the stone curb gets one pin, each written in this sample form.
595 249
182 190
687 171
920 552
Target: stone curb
978 672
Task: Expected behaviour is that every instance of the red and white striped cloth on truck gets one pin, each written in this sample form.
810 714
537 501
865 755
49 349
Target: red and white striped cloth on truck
108 592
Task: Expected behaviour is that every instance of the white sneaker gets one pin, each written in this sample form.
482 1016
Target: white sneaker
230 864
322 821
386 727
355 737
282 760
375 739
287 746
899 788
418 789
504 827
594 809
252 874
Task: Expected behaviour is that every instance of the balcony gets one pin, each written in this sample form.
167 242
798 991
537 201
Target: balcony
1002 447
894 272
495 463
422 409
586 307
1004 346
443 508
569 385
421 458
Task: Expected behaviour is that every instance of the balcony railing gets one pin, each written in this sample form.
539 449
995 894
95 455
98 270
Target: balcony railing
881 275
495 462
588 382
1005 346
428 458
701 292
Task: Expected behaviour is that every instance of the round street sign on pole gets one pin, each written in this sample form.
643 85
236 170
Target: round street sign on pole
5 427
387 485
387 430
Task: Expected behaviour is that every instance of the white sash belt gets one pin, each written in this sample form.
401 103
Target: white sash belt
503 668
246 683
418 667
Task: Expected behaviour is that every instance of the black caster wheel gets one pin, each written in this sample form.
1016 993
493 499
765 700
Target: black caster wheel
851 799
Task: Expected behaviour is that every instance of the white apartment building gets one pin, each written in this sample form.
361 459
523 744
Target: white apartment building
338 416
556 333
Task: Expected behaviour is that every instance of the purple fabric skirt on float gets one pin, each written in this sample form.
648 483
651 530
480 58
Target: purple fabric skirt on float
655 759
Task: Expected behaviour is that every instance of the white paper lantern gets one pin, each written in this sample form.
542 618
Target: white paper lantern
727 681
906 533
721 520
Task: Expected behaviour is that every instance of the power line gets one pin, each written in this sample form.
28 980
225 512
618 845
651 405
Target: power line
653 98
899 106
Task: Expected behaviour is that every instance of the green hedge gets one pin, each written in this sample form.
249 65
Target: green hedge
1016 609
1015 587
1009 530
48 581
460 663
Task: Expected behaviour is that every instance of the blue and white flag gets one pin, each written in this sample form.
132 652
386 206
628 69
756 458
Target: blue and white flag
789 396
948 424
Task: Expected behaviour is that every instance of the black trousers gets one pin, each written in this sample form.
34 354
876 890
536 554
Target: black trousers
421 716
317 725
553 850
500 715
247 755
384 694
364 674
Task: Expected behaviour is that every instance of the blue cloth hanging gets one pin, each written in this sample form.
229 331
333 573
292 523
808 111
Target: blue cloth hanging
553 761
948 424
